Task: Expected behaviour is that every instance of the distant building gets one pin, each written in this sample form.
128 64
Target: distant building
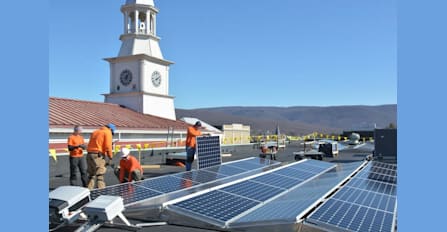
236 134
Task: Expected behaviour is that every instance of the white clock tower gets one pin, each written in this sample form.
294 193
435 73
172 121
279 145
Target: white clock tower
139 76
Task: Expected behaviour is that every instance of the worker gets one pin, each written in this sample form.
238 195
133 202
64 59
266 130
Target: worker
76 147
129 169
192 133
98 150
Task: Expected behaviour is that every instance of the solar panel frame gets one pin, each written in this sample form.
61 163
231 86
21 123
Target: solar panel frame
208 151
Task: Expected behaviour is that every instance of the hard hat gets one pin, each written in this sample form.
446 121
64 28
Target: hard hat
125 152
112 127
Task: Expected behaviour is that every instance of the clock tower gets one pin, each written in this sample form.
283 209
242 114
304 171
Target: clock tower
139 75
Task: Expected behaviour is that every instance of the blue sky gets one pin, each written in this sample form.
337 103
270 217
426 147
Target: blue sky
238 53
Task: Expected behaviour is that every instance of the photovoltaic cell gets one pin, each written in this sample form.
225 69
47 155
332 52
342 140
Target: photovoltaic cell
217 205
364 203
253 190
277 180
208 151
373 185
166 184
309 168
319 164
226 170
129 192
200 176
295 173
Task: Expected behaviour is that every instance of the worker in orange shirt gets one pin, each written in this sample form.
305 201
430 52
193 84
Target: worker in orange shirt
98 150
76 147
129 169
192 133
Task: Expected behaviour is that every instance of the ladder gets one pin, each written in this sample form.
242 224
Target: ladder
170 136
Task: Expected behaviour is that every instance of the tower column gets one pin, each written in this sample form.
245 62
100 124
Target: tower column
155 24
136 21
147 22
126 22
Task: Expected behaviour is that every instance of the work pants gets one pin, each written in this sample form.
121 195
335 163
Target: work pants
136 175
96 170
78 163
190 152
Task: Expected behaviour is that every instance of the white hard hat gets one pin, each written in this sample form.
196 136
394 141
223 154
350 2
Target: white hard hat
125 152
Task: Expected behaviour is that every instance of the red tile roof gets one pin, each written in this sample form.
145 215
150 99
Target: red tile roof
65 113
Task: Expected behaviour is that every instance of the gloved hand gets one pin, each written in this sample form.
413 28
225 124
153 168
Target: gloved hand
83 146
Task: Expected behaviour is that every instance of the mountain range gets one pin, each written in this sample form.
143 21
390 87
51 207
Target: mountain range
298 120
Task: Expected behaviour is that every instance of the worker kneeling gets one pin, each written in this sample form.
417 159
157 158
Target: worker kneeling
129 169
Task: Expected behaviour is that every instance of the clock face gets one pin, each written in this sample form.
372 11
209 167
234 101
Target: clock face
126 77
156 78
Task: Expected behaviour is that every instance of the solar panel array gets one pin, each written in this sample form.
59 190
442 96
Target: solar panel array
208 151
366 203
155 187
297 202
222 205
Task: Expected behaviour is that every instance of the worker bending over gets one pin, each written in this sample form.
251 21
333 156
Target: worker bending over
129 169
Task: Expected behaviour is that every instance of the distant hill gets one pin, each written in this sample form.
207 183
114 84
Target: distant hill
299 120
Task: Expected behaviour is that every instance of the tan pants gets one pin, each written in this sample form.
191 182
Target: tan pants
96 168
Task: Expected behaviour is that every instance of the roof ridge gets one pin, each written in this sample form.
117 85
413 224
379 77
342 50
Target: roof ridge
81 100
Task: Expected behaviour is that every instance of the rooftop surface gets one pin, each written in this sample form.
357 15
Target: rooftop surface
60 176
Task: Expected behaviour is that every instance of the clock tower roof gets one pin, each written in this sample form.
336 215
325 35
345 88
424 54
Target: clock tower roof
142 2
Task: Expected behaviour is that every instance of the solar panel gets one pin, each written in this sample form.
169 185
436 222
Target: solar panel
129 192
217 205
296 202
158 186
166 184
244 195
275 180
366 203
295 173
226 170
200 176
253 190
208 151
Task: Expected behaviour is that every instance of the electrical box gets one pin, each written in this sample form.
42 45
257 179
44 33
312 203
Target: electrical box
65 200
104 208
385 145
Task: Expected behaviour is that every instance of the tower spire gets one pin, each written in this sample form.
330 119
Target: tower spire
139 32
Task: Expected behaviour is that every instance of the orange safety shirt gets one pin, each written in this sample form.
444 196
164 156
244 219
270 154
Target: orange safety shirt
191 136
76 140
101 141
128 165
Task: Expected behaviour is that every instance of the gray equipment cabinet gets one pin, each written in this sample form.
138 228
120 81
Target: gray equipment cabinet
385 145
